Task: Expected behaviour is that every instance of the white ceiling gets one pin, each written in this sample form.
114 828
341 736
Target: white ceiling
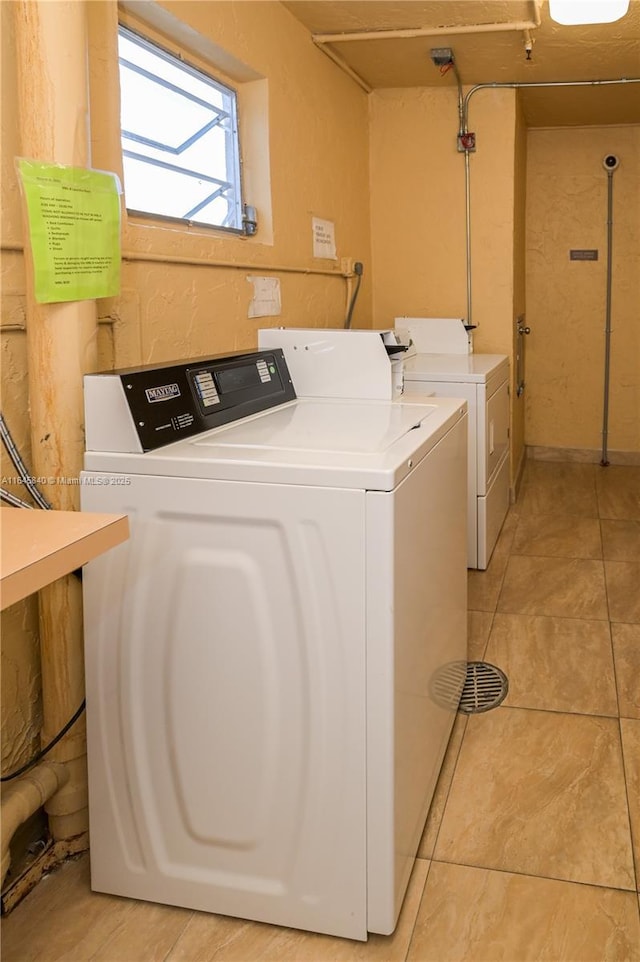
599 52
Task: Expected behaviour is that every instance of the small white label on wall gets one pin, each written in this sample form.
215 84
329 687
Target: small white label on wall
266 297
324 238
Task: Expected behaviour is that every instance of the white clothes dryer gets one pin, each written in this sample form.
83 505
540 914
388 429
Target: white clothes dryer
274 658
483 380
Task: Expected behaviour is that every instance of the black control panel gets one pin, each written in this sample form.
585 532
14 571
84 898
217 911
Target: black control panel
178 400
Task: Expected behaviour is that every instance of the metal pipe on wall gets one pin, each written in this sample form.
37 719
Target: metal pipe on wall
52 94
152 258
467 209
610 164
541 83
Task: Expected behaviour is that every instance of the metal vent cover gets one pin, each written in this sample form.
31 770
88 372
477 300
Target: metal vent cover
485 687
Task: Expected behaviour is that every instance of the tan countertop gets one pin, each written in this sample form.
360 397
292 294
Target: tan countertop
37 547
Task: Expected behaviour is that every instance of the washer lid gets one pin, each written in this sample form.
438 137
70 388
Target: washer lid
327 426
454 367
324 442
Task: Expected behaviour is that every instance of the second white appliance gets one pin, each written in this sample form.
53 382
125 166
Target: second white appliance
483 380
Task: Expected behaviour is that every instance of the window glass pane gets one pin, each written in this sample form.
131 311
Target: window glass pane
217 210
163 65
159 114
179 138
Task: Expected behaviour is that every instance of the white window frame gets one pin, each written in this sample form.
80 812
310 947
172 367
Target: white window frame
133 144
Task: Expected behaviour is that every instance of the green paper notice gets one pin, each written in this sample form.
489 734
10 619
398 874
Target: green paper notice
74 225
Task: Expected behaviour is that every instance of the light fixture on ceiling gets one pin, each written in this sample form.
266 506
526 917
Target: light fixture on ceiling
571 12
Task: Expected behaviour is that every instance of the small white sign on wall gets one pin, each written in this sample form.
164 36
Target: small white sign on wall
324 238
266 300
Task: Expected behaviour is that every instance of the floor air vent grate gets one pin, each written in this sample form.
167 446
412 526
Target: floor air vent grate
485 687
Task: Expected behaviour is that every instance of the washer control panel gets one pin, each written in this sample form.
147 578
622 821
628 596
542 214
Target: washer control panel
175 401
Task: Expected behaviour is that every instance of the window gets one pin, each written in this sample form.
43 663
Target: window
179 138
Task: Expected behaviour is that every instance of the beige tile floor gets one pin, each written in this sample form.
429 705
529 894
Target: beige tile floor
532 846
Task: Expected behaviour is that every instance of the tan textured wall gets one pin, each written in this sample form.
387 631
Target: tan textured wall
417 205
418 214
307 128
418 209
567 208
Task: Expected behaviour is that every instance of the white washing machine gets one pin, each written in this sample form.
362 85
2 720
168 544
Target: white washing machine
440 362
274 658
